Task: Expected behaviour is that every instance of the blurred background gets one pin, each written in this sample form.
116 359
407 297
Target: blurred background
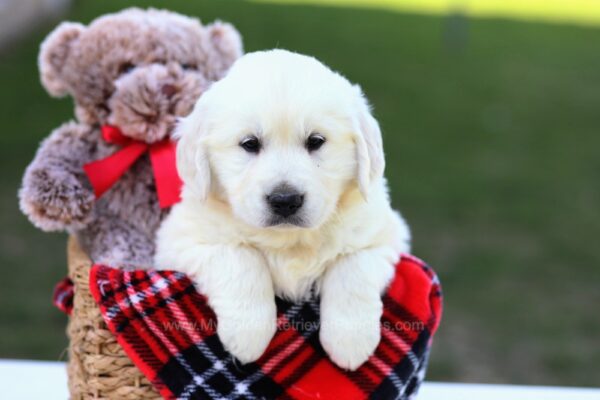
491 117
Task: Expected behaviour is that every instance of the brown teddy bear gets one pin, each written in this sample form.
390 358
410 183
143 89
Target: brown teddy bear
131 74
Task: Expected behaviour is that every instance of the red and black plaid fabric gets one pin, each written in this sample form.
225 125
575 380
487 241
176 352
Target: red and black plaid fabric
168 330
62 297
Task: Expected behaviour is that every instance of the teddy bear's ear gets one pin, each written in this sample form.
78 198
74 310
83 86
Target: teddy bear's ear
54 52
226 40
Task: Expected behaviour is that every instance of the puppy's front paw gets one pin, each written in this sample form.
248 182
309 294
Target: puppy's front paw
349 334
246 329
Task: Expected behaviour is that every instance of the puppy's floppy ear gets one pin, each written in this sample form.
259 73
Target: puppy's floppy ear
54 53
192 159
369 146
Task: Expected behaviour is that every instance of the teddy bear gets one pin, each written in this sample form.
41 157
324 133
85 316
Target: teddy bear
131 74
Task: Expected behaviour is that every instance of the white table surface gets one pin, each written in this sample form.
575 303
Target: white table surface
32 380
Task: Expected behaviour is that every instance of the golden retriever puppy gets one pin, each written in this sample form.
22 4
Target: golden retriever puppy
282 164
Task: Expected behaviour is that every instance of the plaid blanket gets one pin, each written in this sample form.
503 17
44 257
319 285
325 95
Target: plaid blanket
168 330
62 297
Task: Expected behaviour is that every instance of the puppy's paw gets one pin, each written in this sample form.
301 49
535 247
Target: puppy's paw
349 334
247 329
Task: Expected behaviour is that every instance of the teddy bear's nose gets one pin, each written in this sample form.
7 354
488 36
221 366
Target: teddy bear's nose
168 90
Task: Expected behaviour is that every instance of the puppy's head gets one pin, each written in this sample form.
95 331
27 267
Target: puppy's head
280 139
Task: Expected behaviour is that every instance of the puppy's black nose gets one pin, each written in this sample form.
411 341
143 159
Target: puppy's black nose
285 202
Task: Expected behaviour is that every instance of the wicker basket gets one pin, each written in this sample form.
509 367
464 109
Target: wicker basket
98 367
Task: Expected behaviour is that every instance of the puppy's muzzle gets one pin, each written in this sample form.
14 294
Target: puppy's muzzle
285 201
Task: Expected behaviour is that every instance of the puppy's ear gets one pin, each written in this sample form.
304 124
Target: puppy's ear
192 159
369 146
54 52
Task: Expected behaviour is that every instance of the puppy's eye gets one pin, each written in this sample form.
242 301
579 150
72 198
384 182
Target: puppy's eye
314 142
251 144
126 67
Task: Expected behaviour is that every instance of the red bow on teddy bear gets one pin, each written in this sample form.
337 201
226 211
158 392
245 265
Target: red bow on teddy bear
106 172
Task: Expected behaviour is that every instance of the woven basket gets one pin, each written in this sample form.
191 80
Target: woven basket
98 367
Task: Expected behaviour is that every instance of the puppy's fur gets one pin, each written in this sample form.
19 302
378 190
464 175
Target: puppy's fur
343 240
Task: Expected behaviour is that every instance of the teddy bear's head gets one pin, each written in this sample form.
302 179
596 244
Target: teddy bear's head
137 69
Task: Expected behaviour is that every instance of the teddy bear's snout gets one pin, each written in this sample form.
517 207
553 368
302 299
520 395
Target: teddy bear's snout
148 100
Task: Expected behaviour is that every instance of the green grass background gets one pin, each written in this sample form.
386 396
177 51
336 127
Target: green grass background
491 129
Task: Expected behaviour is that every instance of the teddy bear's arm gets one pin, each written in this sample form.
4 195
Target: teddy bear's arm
55 193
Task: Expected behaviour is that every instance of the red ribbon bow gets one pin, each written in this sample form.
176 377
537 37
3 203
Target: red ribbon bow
106 172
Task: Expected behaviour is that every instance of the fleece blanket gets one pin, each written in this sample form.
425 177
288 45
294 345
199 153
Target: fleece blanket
169 331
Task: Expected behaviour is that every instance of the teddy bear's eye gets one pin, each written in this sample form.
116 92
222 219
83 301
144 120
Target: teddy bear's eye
188 67
126 67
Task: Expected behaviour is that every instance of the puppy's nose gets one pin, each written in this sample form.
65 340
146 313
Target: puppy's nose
168 90
285 202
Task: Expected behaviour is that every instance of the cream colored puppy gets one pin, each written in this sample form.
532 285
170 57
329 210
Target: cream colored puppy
282 165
